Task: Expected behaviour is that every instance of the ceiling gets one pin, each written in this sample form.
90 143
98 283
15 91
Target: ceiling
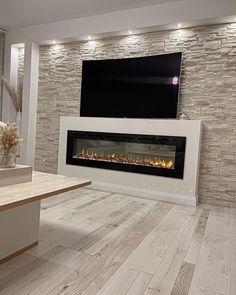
14 14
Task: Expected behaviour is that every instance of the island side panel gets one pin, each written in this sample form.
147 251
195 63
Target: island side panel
19 230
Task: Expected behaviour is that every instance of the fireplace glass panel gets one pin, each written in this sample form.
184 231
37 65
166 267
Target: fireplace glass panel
129 153
137 153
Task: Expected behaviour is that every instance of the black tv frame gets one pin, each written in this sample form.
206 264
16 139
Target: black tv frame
138 117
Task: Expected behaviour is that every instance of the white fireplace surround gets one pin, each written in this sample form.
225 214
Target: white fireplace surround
182 191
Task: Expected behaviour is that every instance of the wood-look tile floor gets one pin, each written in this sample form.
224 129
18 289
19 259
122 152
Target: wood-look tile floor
95 242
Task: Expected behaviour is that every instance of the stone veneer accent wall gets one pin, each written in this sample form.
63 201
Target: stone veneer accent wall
2 43
20 70
208 93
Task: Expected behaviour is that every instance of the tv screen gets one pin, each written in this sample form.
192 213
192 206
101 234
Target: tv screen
142 87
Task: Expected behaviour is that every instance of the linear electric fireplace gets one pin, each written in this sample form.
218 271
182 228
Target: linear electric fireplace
146 154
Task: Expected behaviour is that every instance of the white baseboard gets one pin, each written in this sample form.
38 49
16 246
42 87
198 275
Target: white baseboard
144 193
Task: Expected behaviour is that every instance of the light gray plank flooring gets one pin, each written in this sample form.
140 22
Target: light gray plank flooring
96 242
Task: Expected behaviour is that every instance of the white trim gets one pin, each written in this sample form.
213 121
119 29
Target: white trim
144 193
29 107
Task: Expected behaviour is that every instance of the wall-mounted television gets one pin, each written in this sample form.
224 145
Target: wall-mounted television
142 87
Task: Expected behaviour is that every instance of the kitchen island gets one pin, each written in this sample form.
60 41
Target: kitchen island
20 210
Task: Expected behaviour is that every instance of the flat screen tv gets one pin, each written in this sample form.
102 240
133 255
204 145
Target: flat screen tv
142 87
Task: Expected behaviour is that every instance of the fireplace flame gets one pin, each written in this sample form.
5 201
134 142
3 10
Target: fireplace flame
128 158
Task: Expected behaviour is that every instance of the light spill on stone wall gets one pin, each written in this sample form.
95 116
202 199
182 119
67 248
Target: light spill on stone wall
208 93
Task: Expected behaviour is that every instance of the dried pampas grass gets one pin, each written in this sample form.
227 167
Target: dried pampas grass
17 100
9 138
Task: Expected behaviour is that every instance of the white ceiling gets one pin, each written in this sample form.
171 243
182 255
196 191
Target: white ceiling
19 13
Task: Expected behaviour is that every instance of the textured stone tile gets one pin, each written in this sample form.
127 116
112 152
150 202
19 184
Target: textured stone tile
20 70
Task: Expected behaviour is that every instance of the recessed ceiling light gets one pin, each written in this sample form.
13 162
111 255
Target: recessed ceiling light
53 42
130 32
89 37
179 26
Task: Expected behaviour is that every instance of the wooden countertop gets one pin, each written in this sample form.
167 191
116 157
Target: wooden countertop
43 185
